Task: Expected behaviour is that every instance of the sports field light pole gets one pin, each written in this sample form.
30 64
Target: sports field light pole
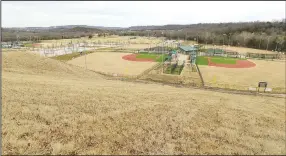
223 39
229 39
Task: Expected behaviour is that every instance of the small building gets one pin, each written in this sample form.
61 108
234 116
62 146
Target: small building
187 49
191 51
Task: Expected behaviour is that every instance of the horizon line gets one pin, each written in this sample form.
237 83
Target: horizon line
273 20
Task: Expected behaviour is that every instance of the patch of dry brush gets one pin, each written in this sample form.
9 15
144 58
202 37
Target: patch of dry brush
53 108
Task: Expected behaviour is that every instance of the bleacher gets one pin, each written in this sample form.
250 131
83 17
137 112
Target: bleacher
233 54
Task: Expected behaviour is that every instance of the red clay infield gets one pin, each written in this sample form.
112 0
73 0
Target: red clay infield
132 57
239 64
36 45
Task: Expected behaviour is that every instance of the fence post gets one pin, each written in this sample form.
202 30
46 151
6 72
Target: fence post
202 80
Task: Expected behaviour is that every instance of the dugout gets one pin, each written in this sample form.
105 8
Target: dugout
233 54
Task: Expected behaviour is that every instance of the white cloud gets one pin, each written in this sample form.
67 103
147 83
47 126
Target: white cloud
123 14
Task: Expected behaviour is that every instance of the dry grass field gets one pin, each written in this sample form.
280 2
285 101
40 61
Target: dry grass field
111 62
189 42
272 72
242 50
49 107
139 46
114 38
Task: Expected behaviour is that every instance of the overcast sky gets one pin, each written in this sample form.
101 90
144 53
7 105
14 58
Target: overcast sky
128 13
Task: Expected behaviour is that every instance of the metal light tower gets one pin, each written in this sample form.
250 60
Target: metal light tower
229 39
223 39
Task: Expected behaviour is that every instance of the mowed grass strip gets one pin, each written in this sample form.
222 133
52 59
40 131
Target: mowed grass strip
161 57
176 71
68 57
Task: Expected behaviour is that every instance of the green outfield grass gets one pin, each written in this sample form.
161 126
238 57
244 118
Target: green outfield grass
147 56
203 60
222 60
155 57
68 57
28 45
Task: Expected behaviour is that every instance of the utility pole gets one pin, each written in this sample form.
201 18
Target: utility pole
223 41
162 59
85 56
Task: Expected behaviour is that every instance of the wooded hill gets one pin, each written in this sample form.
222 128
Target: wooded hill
260 35
10 34
246 34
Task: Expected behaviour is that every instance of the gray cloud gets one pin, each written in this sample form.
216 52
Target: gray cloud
23 14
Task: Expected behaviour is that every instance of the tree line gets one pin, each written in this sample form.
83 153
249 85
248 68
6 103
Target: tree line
9 34
259 35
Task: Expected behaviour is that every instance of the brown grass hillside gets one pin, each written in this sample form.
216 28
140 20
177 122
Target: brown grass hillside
49 107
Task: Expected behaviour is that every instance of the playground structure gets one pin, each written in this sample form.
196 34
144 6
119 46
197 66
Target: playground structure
171 65
191 51
175 70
